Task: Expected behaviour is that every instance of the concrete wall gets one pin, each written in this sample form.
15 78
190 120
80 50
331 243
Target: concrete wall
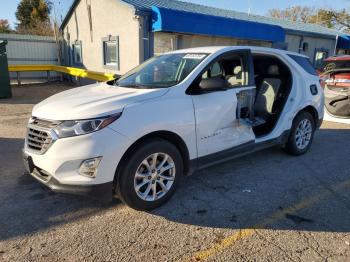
108 17
165 42
313 44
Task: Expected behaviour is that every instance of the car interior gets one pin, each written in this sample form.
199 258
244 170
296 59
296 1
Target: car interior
273 81
261 107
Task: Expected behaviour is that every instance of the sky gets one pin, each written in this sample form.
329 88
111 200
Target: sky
8 7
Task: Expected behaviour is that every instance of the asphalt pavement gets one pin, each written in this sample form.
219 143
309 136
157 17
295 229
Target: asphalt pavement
267 206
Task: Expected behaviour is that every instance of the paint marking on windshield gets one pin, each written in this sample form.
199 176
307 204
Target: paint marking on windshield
194 56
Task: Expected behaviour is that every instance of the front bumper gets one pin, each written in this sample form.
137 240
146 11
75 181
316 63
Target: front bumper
58 168
101 191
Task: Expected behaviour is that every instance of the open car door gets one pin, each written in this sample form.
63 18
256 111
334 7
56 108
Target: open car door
337 92
223 94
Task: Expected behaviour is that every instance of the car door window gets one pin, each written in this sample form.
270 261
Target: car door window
214 70
230 68
235 71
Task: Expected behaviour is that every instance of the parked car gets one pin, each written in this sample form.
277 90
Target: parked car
136 137
335 72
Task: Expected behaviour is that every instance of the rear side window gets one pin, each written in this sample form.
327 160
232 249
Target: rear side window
305 63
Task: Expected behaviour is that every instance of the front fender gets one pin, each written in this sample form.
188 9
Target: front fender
168 113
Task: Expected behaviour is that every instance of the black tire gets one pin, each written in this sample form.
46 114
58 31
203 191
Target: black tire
125 186
291 145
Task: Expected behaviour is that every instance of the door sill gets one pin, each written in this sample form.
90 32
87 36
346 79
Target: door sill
235 152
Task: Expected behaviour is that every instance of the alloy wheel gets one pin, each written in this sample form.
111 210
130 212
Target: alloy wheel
154 177
303 134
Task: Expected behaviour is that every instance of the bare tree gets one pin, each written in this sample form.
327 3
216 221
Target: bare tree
295 13
335 19
339 20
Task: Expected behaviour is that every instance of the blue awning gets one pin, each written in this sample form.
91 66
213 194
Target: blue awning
343 42
169 20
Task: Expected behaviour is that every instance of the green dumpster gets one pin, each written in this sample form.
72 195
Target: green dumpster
5 88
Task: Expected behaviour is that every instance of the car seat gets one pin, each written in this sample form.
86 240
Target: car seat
267 91
236 79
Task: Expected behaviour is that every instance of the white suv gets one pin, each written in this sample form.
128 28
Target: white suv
136 137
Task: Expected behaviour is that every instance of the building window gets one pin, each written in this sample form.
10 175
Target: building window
305 46
164 43
77 53
111 52
320 56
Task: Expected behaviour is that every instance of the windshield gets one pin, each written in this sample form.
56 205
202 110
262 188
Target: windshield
162 71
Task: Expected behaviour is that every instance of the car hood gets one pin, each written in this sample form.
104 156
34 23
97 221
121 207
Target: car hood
92 101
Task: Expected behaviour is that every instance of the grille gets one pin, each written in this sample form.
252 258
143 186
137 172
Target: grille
43 123
39 135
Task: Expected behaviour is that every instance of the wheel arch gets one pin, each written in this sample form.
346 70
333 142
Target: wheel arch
313 111
169 136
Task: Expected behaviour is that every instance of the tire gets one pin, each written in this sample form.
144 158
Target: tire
137 191
301 134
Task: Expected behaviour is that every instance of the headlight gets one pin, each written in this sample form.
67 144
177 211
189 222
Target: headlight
82 127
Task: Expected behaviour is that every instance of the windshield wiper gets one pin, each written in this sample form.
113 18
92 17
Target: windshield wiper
132 86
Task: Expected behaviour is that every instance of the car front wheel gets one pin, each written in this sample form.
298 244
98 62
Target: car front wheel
301 135
150 175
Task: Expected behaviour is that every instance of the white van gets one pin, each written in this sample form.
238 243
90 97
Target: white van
136 137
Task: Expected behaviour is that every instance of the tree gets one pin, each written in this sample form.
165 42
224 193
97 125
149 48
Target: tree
295 13
4 26
335 19
34 17
339 20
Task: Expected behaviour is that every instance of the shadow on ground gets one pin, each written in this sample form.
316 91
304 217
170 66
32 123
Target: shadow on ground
271 189
238 194
27 207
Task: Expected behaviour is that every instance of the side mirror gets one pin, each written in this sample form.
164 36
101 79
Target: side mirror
213 84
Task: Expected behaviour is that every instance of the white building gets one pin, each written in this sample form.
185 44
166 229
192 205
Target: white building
116 35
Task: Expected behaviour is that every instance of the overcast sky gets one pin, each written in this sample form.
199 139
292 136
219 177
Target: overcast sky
8 7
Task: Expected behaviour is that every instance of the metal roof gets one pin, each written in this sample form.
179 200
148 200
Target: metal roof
170 20
146 5
202 9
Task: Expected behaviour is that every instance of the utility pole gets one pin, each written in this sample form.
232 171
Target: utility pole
249 6
57 33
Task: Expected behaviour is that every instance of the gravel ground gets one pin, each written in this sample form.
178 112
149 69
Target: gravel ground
265 206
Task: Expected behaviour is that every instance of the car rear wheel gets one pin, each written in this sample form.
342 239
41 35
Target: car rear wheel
301 135
151 175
